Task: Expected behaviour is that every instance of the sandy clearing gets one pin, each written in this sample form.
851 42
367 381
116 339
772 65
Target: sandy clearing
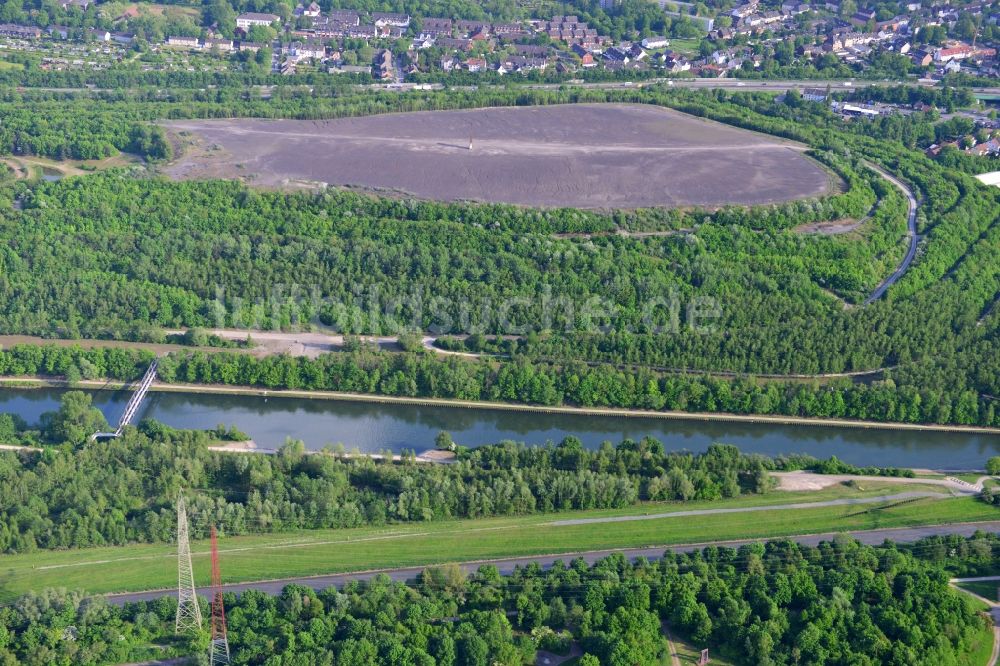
578 155
802 480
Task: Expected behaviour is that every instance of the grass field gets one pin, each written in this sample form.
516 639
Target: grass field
146 566
156 9
986 589
982 649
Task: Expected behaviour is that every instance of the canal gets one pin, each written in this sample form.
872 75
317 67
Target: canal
372 427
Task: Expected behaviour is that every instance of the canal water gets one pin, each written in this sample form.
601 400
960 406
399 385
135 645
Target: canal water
372 427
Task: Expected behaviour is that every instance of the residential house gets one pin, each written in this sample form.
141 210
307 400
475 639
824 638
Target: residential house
744 11
361 31
455 44
312 11
814 94
475 64
617 54
386 70
921 58
466 28
532 50
436 26
507 29
386 18
307 50
219 44
637 52
961 52
184 42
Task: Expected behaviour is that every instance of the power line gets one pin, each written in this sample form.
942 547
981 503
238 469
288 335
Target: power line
188 610
218 651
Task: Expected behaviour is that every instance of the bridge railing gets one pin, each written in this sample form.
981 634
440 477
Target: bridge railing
132 408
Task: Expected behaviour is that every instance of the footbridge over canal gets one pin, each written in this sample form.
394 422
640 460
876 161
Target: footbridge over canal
132 408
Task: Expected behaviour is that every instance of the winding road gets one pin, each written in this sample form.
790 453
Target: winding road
911 224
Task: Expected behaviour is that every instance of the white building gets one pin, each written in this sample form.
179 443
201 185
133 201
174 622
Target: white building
251 19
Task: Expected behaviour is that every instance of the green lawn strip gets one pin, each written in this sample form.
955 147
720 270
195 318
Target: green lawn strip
986 589
981 649
143 566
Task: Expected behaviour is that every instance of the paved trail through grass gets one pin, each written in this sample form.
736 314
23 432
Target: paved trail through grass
916 494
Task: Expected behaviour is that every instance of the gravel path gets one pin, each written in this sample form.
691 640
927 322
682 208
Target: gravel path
847 501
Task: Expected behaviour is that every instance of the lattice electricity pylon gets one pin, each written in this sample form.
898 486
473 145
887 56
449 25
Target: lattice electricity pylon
188 610
218 651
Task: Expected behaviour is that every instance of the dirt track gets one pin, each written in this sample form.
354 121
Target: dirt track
579 155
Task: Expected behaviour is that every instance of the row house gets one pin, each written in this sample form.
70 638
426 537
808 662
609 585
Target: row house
743 11
381 19
385 66
531 50
766 18
507 29
468 27
307 50
184 42
441 25
454 43
219 44
20 31
848 40
251 19
475 64
345 16
961 52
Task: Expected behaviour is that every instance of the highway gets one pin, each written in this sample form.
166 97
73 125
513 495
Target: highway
507 565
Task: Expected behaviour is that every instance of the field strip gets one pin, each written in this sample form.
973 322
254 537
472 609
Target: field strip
267 546
299 543
847 501
902 534
277 546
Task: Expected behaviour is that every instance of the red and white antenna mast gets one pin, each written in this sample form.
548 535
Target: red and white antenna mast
218 651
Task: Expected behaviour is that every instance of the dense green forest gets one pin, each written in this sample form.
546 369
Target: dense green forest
759 605
788 303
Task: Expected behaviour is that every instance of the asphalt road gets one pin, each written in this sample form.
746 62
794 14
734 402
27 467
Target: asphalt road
507 565
911 224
